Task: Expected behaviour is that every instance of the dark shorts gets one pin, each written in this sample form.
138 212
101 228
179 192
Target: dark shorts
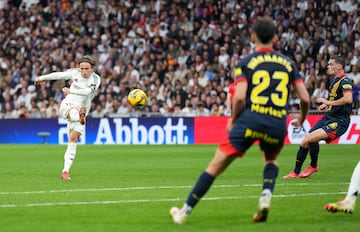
334 127
250 127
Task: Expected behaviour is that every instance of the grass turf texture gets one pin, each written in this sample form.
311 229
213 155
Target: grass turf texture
131 188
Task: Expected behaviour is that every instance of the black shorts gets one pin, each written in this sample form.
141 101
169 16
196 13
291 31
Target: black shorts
333 127
252 126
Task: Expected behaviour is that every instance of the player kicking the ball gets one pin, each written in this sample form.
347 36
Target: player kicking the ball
259 112
76 103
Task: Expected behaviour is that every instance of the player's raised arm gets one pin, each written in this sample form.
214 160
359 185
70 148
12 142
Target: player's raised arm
53 76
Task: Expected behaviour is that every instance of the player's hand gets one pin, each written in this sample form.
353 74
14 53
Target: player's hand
324 104
323 107
296 120
37 81
66 90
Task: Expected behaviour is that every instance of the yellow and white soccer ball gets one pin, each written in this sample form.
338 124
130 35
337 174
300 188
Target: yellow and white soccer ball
137 98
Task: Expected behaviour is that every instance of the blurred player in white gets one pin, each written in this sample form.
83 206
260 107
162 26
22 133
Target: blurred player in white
76 104
347 205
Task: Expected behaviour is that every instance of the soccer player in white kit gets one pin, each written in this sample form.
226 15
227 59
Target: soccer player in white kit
76 104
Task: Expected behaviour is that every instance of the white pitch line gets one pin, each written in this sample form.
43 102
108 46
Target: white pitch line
47 204
155 188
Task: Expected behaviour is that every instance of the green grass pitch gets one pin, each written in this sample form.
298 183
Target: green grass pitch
131 188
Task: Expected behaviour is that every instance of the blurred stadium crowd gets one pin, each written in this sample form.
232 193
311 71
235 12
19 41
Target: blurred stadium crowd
180 52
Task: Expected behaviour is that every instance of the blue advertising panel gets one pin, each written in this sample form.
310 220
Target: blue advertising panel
101 131
26 130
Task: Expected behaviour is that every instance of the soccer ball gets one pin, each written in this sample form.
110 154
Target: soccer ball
137 98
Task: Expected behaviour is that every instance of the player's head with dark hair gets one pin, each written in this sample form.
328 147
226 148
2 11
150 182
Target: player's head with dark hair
335 66
338 60
89 59
264 29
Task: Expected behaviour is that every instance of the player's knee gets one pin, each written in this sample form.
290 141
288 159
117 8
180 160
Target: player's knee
271 157
73 114
305 142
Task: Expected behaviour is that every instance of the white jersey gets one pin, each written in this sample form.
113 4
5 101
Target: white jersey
82 90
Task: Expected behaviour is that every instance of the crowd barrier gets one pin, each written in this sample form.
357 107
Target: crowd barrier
146 130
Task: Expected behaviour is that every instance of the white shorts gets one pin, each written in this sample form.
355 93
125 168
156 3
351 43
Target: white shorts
65 106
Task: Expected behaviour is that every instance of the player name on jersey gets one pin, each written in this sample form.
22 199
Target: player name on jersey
267 57
268 110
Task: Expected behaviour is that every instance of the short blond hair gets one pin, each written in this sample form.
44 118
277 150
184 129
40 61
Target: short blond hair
88 59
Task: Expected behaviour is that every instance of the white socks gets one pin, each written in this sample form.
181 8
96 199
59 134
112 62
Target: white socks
186 209
69 156
265 199
354 187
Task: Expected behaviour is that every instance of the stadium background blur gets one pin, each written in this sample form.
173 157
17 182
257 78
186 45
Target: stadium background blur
180 52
